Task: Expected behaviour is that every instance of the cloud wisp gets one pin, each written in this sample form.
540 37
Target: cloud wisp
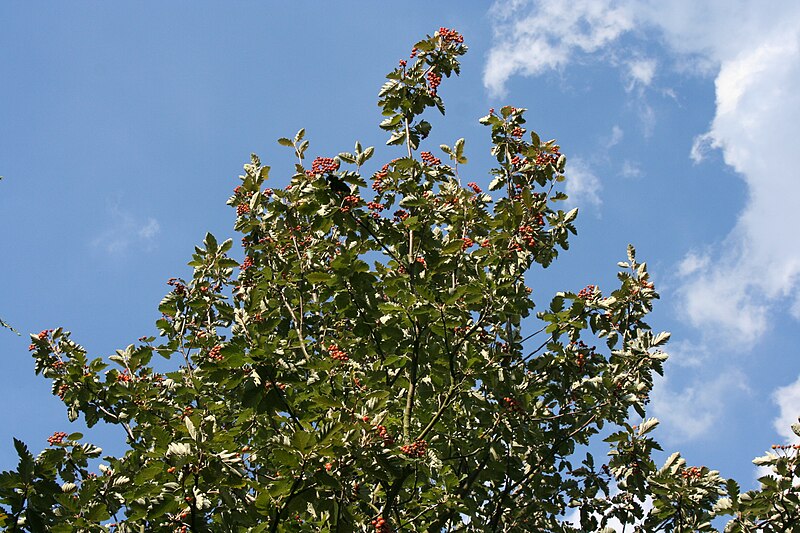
125 231
695 409
582 185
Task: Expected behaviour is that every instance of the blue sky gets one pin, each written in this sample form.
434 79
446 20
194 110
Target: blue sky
123 130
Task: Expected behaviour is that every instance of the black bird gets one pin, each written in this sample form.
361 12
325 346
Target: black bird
337 185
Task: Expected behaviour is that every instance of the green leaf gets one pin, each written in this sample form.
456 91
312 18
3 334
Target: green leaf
302 441
319 277
283 141
190 428
453 247
388 87
347 157
497 183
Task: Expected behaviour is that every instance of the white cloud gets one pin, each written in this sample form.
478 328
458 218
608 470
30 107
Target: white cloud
616 136
532 36
640 72
582 185
756 62
692 411
788 400
701 145
630 169
124 231
692 263
688 354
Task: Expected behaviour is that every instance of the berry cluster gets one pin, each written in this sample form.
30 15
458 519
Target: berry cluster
403 63
482 334
349 202
242 201
378 177
383 433
588 292
450 36
474 186
486 244
527 232
416 449
413 53
323 165
434 80
430 159
786 446
467 243
215 354
247 263
376 208
517 132
691 473
584 352
511 405
280 386
56 438
124 377
62 390
381 525
180 288
421 261
41 336
545 158
337 354
401 214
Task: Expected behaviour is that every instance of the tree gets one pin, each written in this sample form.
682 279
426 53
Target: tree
369 366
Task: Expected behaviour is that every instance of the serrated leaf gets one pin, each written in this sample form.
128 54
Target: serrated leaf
387 87
190 428
647 426
283 141
497 183
319 277
367 154
347 157
178 448
453 247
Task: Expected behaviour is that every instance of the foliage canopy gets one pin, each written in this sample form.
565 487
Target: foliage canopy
367 365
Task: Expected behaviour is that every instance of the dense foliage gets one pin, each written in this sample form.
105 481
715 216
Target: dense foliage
368 366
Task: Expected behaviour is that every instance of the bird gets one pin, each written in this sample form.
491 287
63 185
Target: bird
337 185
